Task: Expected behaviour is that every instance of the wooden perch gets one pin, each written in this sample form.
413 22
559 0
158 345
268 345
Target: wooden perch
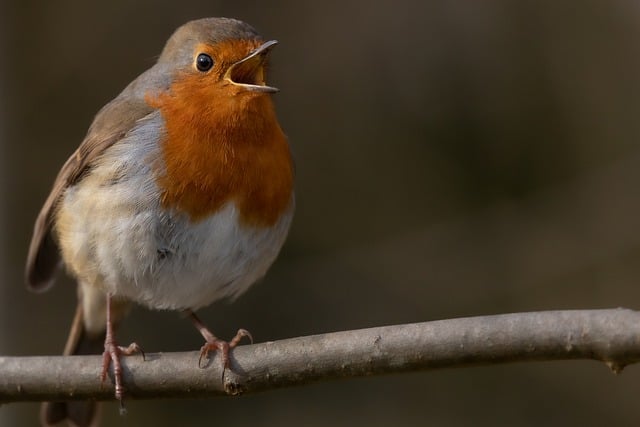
611 336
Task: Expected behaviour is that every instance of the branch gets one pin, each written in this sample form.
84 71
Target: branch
611 336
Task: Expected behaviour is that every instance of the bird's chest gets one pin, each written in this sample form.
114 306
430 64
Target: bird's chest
117 233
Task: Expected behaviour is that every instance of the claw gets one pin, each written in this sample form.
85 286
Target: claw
215 344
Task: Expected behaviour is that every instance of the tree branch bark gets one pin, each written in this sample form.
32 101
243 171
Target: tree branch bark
611 336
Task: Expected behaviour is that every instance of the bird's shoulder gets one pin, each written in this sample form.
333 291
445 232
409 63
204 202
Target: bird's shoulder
111 124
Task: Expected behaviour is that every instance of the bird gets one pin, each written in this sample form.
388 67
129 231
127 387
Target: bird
180 194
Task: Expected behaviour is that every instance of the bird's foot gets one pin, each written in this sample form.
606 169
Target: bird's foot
215 344
112 354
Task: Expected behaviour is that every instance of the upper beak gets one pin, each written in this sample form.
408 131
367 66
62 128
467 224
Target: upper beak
249 72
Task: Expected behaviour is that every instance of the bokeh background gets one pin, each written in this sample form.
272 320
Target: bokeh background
454 158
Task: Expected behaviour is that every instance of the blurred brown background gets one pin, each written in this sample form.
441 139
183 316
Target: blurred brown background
453 159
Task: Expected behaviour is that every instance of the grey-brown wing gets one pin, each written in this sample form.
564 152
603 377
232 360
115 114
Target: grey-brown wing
112 123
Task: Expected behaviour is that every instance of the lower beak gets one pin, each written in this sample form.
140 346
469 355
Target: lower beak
249 72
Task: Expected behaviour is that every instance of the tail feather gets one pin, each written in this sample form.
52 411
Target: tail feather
76 413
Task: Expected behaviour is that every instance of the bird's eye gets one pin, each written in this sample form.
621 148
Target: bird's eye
204 62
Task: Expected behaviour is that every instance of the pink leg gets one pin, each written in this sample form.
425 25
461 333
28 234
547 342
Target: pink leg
112 353
213 343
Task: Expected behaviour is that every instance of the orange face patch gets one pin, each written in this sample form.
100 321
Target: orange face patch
223 144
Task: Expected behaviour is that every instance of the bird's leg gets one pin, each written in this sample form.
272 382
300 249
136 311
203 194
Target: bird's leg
213 343
112 353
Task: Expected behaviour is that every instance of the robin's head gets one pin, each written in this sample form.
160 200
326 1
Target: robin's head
217 57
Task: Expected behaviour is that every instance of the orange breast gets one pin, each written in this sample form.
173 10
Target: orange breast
223 146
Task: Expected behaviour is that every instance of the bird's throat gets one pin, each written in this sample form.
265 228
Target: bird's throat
224 150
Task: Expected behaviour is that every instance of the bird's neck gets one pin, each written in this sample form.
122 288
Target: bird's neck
220 152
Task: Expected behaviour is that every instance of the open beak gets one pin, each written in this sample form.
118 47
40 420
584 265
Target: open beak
249 72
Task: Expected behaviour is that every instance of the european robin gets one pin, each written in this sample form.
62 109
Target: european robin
180 194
